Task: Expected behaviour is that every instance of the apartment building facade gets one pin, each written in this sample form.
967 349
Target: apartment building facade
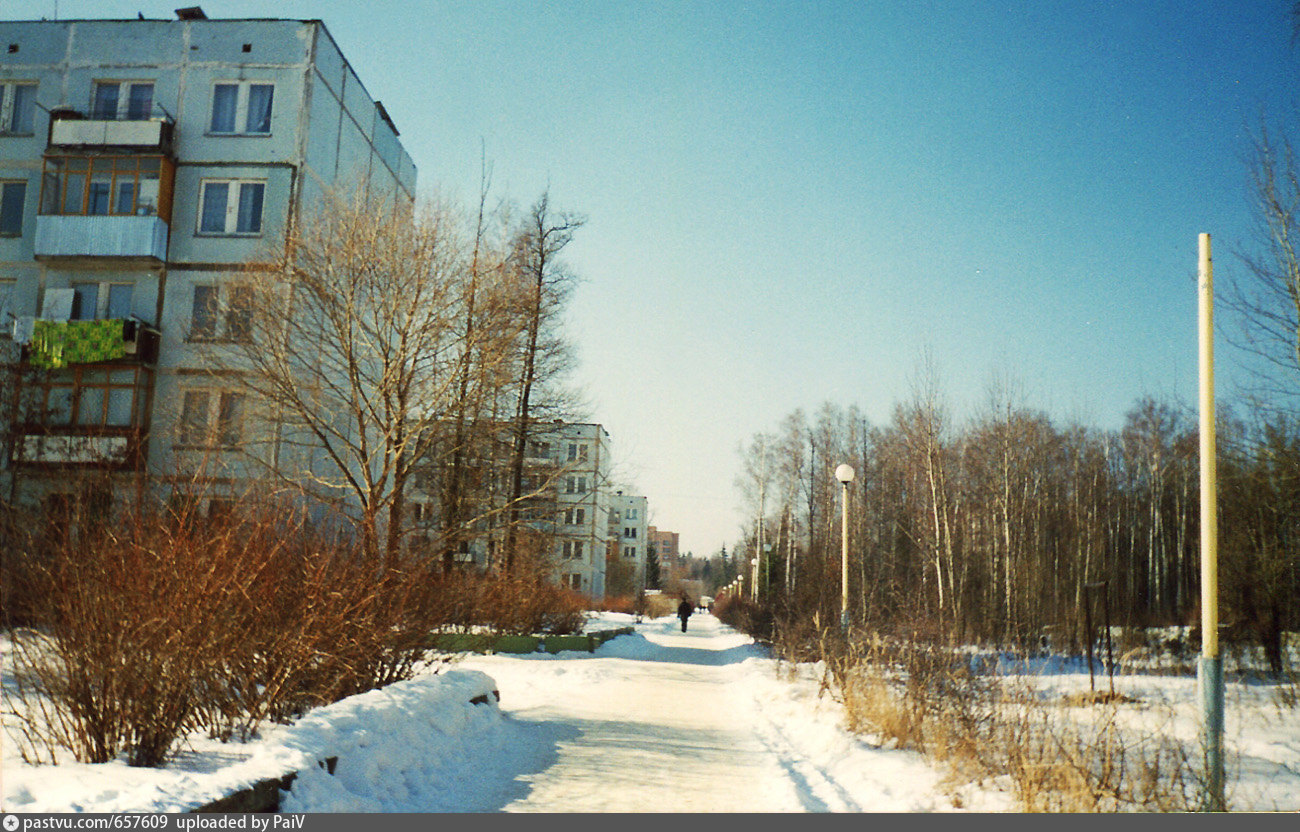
629 536
664 544
142 163
565 505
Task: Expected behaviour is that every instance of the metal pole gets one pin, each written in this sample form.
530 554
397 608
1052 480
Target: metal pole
844 558
1210 669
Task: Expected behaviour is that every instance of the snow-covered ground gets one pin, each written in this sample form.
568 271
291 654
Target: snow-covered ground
657 721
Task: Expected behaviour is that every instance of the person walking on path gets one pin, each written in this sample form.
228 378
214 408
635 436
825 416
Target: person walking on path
684 610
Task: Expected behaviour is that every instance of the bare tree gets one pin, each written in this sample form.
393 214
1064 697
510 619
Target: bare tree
1266 296
542 355
348 348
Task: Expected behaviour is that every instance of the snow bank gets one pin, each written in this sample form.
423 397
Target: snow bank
428 720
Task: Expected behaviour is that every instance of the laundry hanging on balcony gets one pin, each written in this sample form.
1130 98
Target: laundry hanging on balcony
58 343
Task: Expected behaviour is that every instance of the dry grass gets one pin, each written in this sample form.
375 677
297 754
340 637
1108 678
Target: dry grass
1057 756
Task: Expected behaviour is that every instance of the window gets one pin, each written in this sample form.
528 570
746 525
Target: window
242 108
631 514
101 185
575 485
630 532
12 197
629 551
17 108
130 100
571 549
231 206
577 452
7 307
211 417
221 313
92 301
573 580
575 517
95 397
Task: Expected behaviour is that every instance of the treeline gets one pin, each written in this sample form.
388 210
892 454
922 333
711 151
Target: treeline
1011 528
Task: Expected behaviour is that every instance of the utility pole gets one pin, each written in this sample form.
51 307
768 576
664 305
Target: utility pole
1209 675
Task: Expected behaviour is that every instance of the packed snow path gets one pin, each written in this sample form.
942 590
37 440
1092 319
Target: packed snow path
669 729
655 721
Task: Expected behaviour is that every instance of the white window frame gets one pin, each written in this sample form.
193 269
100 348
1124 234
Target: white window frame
571 549
224 314
629 551
234 201
242 89
8 97
102 290
123 109
216 431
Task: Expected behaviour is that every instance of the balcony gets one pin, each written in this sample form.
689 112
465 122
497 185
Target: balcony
69 131
84 415
125 238
55 344
114 448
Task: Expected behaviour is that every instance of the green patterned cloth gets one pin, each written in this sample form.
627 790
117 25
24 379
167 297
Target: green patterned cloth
58 343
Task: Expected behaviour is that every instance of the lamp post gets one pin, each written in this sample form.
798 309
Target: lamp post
844 473
753 580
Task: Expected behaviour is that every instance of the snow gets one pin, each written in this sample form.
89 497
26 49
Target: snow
656 721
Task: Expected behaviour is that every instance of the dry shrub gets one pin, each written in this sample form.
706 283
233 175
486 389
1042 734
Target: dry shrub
619 603
160 622
522 602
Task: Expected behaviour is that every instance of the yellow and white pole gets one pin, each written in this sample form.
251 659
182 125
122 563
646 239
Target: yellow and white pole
1210 668
844 473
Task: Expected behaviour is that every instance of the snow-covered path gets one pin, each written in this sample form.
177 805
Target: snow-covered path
659 721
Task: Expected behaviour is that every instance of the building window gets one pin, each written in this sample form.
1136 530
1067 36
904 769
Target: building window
573 580
7 307
129 100
575 485
630 533
12 197
91 301
231 206
577 452
116 185
242 108
629 551
211 417
221 313
631 514
18 108
571 549
94 397
575 517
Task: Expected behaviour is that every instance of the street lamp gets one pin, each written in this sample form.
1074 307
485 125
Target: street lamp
753 581
844 473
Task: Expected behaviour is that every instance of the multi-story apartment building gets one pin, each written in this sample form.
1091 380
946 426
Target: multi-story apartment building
142 162
629 537
566 501
664 544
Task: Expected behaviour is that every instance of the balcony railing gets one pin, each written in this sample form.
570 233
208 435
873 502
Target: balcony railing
55 344
105 447
122 237
69 130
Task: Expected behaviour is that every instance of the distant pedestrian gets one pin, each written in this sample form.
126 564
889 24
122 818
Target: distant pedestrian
684 610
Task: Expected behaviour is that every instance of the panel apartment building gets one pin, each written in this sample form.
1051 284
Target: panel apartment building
567 501
141 163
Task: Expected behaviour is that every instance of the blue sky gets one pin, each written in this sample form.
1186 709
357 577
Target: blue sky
788 203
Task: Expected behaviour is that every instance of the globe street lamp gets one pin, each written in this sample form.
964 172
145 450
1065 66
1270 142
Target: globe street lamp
844 473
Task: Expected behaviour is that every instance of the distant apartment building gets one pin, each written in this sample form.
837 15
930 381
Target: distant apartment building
142 162
629 537
566 502
664 545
